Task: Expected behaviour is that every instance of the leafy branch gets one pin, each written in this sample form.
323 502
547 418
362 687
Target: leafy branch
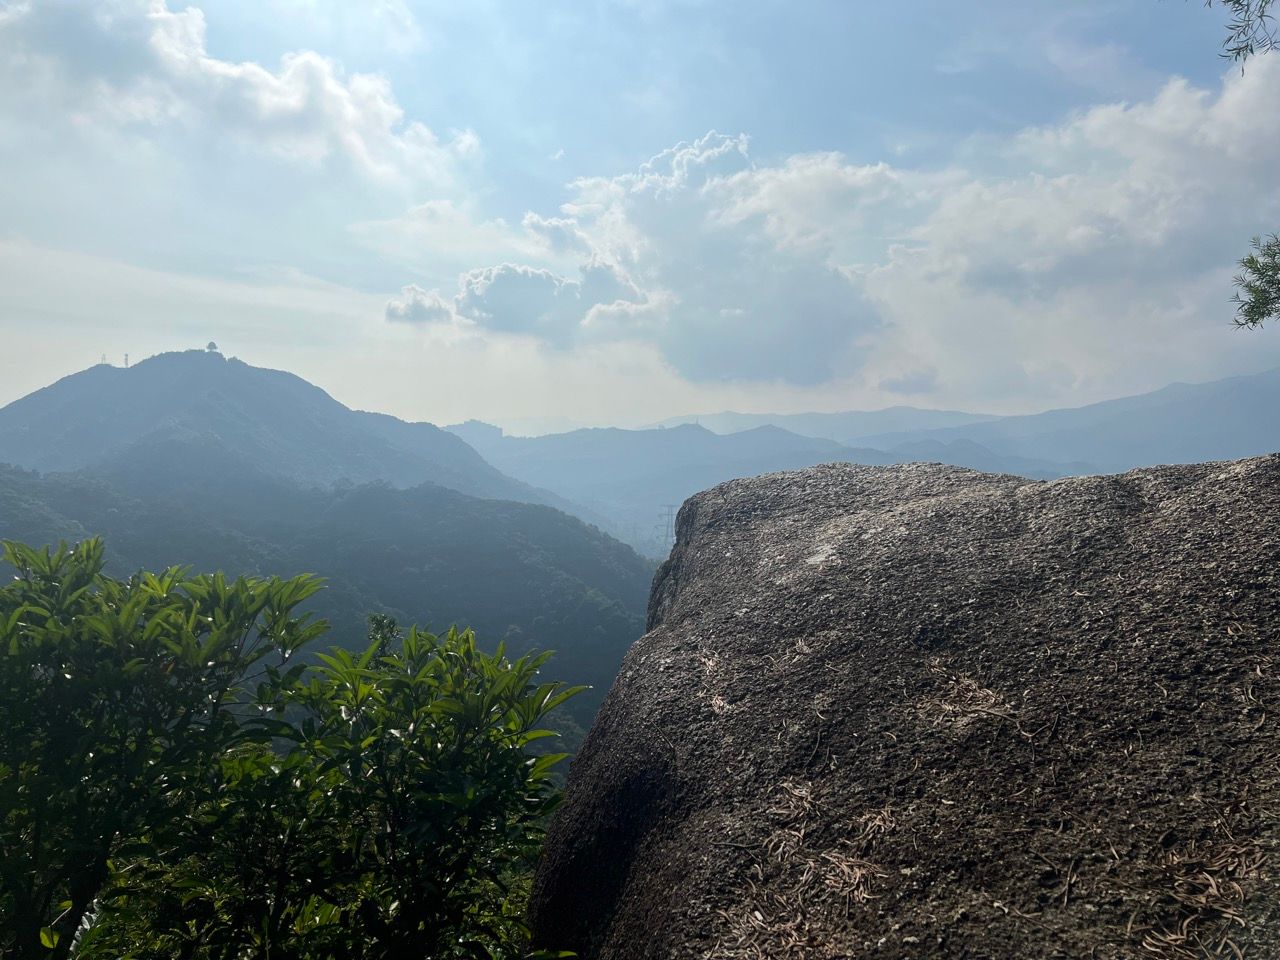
1251 30
1258 284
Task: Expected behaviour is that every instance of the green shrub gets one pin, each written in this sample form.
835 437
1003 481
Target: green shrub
173 785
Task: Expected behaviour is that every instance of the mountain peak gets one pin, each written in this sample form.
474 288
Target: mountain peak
288 427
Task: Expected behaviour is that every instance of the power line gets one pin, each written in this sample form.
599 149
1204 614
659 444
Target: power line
668 521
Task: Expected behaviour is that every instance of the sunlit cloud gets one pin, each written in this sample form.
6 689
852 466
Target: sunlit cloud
1084 256
138 64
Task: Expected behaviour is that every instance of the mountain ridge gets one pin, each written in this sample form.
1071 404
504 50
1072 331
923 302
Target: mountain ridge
831 426
631 476
1222 419
291 427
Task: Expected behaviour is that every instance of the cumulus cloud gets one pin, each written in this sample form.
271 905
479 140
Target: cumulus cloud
138 63
519 299
415 305
673 253
744 300
1084 258
560 234
1078 260
1102 264
530 301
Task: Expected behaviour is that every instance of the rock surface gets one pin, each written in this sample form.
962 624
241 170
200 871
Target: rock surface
925 712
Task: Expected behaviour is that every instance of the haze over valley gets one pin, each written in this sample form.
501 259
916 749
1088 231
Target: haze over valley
144 429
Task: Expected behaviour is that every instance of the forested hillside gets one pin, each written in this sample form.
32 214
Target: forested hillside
526 574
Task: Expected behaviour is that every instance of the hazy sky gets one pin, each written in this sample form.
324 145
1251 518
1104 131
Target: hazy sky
619 210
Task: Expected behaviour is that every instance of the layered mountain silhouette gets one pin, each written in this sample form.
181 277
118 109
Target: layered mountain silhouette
629 477
1181 423
286 426
624 481
835 426
632 477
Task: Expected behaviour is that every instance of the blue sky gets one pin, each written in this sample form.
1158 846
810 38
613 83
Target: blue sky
611 211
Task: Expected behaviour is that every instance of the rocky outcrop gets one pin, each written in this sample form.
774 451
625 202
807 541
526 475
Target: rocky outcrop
925 712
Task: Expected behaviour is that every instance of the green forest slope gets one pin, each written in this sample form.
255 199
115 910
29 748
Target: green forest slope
527 574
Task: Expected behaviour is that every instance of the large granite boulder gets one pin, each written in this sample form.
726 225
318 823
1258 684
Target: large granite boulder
920 711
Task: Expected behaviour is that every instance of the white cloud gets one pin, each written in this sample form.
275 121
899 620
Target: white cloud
560 234
525 300
415 305
1071 262
823 203
137 64
1102 266
675 253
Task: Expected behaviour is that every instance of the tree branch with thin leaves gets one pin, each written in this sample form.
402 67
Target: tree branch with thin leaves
1257 298
1251 30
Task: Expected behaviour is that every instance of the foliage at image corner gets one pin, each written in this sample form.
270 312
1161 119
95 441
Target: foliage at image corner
1251 30
175 783
1257 295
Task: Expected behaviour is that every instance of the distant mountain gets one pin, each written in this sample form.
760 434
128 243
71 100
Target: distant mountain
283 424
523 573
1182 423
631 477
966 453
193 458
834 426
